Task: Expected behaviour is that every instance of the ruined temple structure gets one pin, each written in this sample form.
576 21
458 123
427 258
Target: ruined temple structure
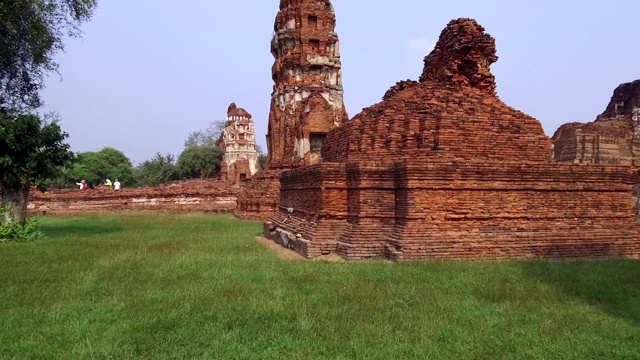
306 102
238 139
443 169
613 138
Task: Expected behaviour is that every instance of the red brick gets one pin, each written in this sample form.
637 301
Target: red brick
443 169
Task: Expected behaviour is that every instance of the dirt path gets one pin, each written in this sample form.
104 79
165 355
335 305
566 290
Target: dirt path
288 254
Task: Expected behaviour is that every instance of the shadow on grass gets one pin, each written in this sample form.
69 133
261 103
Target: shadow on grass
609 285
74 228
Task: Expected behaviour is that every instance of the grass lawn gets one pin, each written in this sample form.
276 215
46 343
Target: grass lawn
199 286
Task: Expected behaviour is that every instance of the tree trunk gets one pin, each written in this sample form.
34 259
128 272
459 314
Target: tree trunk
16 199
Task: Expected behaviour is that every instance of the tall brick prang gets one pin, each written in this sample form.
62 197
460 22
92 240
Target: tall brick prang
443 169
306 102
613 138
238 140
307 99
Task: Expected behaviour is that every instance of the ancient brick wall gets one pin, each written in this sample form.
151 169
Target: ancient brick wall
480 127
578 147
613 138
179 196
458 209
314 209
260 196
443 169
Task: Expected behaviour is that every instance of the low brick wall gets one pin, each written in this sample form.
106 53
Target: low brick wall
181 196
258 198
443 209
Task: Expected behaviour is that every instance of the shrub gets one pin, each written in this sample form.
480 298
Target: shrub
16 231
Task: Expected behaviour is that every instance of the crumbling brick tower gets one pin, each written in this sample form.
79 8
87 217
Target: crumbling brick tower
613 138
238 140
306 102
307 99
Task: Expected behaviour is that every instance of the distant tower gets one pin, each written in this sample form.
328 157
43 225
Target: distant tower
238 140
306 102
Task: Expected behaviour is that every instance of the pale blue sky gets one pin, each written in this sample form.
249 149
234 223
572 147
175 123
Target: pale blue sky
149 72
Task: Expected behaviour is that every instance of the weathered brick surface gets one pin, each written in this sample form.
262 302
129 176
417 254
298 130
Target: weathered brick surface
307 99
442 169
613 138
179 196
259 197
238 140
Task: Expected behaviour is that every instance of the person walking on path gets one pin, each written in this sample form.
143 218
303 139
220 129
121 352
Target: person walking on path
116 185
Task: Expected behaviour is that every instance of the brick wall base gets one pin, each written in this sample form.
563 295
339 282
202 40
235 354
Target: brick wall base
258 198
444 209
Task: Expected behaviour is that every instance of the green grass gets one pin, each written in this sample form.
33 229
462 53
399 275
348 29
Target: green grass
199 287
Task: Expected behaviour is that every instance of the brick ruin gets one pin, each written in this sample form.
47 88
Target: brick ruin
613 138
306 102
238 140
307 98
443 169
177 196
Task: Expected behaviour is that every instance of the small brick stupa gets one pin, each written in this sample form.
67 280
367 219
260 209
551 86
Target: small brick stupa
613 138
443 169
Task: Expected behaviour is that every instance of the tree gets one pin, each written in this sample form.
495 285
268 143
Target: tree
262 157
199 162
206 137
95 167
158 170
31 152
31 33
199 138
216 128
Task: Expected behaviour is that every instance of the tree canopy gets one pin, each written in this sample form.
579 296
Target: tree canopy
31 33
158 170
206 137
199 162
96 167
31 151
199 138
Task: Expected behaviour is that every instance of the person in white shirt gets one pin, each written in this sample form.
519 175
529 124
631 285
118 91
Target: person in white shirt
116 185
82 184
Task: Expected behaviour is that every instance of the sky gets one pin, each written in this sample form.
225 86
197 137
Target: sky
146 73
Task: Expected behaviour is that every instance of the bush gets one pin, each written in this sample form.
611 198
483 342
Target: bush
159 170
199 162
16 231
